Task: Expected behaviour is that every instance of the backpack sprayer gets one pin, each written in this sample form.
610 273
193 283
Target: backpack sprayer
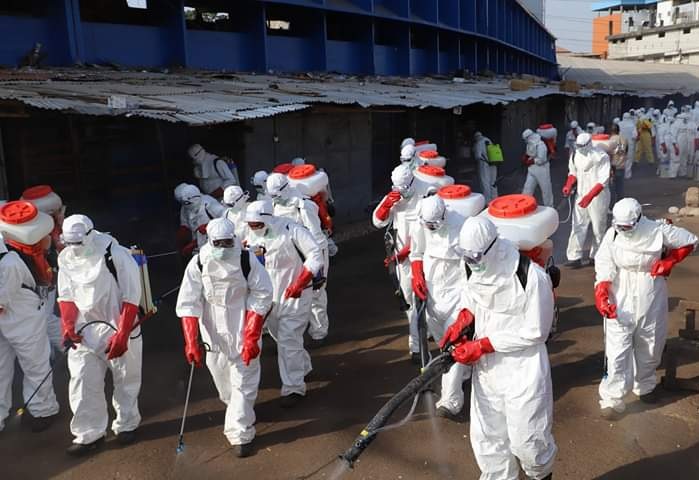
438 366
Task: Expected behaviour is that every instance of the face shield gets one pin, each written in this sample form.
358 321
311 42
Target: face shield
476 260
406 191
583 143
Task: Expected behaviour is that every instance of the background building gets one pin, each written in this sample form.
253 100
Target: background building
381 37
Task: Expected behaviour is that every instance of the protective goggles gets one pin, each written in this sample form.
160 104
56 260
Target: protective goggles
583 145
191 200
74 242
233 204
279 193
475 258
223 243
256 225
624 228
403 189
433 224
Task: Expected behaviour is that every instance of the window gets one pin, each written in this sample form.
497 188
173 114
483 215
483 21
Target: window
107 11
661 35
23 8
640 37
288 21
630 21
611 28
686 31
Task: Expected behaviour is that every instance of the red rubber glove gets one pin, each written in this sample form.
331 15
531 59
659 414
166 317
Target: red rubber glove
388 201
472 351
118 343
677 149
202 229
188 249
587 199
418 280
251 336
455 331
190 330
301 282
69 316
663 267
570 183
604 306
664 148
399 257
527 160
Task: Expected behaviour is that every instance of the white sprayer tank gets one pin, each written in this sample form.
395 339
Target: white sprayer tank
520 220
460 200
43 197
429 176
308 180
22 222
431 157
425 146
601 141
547 131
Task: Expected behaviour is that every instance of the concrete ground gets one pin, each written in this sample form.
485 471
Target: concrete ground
363 364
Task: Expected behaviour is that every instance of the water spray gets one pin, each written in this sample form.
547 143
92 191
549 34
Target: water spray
438 366
20 411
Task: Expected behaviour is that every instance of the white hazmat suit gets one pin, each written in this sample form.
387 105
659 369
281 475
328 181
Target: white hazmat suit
398 211
215 291
289 203
85 281
571 135
23 337
435 240
235 202
214 173
628 277
684 134
197 211
589 169
627 129
512 397
283 243
538 168
487 173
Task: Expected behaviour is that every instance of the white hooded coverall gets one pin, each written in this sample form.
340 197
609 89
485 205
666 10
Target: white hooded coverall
23 336
444 276
627 129
634 341
684 136
193 216
589 169
403 214
512 396
289 317
304 211
487 173
219 295
87 282
669 161
212 171
540 172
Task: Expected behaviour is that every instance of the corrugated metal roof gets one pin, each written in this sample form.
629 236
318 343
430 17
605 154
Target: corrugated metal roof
645 79
210 98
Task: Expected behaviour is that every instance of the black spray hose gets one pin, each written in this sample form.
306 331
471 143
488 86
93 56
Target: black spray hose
430 373
425 356
438 366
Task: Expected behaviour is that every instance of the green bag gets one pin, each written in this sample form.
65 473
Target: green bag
494 153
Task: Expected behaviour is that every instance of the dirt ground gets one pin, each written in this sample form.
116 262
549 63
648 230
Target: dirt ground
364 363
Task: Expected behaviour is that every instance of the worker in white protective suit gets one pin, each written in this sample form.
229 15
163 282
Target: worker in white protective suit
408 156
512 303
668 149
670 111
437 279
213 172
235 201
292 258
259 183
228 293
196 212
487 172
589 171
631 294
396 212
538 168
99 289
571 135
23 337
627 129
683 132
290 203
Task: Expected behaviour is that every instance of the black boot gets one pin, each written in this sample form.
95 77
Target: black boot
290 401
242 451
39 424
126 438
81 449
650 397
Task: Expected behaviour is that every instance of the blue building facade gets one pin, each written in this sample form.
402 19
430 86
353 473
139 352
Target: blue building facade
369 37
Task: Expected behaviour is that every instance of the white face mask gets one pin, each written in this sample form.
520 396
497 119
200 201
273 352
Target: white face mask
219 253
259 234
81 251
477 267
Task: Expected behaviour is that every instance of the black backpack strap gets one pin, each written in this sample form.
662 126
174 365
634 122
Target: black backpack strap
298 250
199 265
468 271
206 209
523 270
109 262
24 285
245 263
